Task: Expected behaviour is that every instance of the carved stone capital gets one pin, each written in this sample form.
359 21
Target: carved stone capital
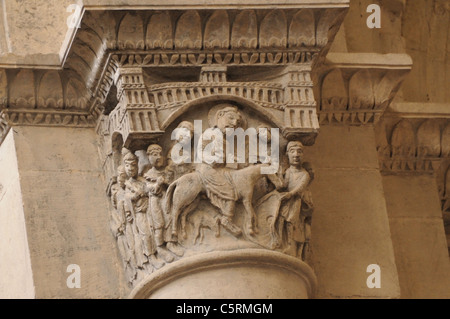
137 75
414 139
358 93
412 145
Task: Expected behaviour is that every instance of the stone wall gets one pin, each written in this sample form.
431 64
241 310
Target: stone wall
16 280
66 213
350 229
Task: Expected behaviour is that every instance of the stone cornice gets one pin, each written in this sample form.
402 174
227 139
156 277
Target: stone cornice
39 91
413 145
418 110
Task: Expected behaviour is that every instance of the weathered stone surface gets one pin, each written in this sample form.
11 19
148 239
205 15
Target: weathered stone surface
66 213
353 229
416 211
17 274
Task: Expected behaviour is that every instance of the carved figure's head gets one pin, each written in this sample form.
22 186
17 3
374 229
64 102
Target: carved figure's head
294 150
228 117
185 135
155 157
121 176
130 162
264 135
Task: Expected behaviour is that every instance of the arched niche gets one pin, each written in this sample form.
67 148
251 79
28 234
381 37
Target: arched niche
22 92
211 100
361 91
302 29
273 31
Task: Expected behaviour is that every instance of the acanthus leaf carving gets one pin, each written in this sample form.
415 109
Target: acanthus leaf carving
414 146
273 30
429 140
362 93
188 34
302 29
244 32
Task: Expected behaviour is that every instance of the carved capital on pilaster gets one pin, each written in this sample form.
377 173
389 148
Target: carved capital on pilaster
412 145
358 93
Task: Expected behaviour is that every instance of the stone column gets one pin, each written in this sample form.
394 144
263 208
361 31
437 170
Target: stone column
414 155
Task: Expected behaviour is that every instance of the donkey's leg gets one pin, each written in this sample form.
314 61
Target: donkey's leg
185 213
251 216
184 195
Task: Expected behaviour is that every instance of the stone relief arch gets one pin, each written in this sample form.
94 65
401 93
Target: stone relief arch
361 91
302 29
159 31
245 30
264 113
334 92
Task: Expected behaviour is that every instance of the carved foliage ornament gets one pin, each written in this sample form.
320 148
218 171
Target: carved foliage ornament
414 145
356 88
